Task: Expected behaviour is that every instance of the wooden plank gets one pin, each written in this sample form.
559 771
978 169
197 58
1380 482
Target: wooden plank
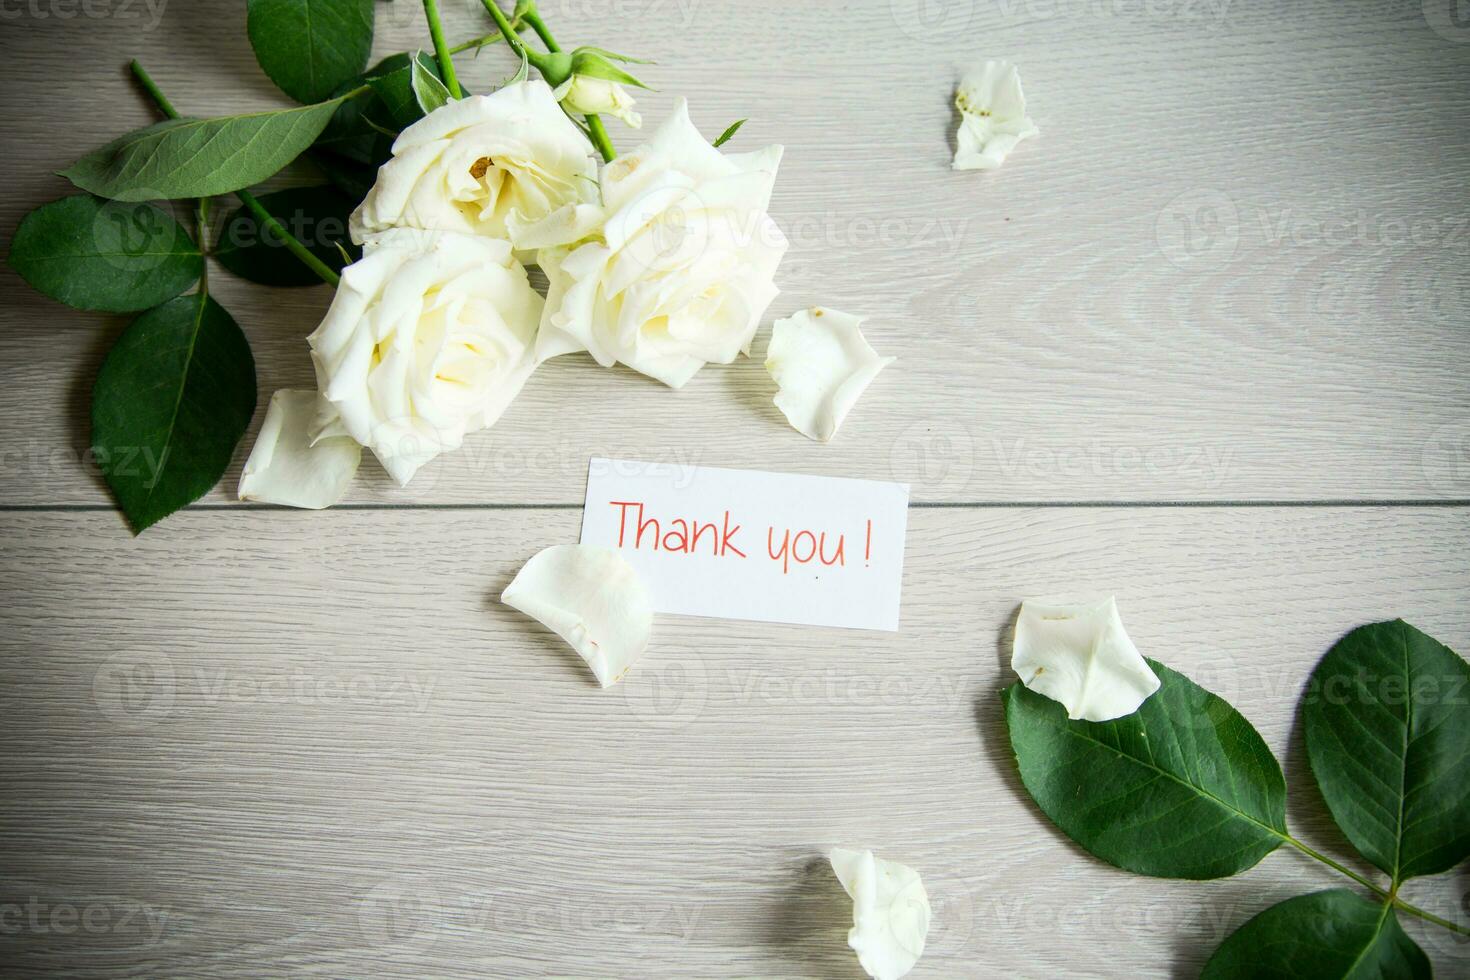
1232 267
316 745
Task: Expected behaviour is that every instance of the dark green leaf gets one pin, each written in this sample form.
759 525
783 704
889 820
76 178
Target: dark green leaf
199 157
1332 935
309 47
428 90
348 176
315 216
729 133
1182 788
394 90
1387 722
171 401
103 255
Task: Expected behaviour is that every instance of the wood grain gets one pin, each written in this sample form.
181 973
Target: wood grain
315 745
1232 267
256 742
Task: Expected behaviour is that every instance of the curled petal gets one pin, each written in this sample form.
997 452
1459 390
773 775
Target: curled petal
592 599
1078 654
288 466
992 116
821 362
890 912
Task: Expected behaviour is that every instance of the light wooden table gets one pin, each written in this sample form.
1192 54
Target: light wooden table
1202 344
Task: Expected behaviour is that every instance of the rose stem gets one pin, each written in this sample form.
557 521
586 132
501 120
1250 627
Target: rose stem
267 221
441 49
594 122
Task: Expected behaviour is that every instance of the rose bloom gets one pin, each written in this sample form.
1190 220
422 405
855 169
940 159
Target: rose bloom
674 268
430 336
483 165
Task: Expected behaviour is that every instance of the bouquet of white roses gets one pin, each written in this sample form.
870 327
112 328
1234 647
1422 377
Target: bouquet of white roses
662 259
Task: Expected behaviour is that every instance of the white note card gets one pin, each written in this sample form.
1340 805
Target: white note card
742 544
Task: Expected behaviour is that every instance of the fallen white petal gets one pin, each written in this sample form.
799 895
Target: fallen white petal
1077 653
992 116
821 362
890 912
592 599
286 467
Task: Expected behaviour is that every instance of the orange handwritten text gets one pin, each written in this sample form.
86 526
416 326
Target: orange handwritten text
803 547
680 534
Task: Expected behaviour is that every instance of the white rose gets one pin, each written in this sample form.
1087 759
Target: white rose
675 267
483 165
582 94
430 336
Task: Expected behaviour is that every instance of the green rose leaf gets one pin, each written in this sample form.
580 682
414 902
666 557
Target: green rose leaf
315 216
395 90
102 255
1387 722
428 90
200 157
1182 788
1331 934
309 47
730 132
171 401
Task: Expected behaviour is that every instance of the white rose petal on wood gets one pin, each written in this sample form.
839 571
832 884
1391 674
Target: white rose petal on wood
890 912
821 362
992 116
1077 653
591 598
289 466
